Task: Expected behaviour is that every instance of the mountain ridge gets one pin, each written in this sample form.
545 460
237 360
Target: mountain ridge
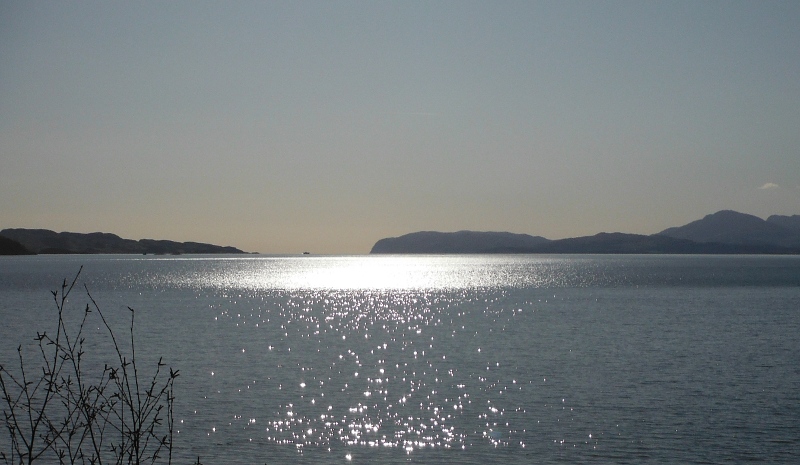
723 232
45 241
730 227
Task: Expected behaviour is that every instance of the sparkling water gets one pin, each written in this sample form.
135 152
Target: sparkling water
451 359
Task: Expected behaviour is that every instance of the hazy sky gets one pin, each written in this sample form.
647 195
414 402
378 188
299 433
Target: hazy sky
325 126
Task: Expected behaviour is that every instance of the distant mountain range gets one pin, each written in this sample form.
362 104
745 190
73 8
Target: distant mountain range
724 232
730 227
44 241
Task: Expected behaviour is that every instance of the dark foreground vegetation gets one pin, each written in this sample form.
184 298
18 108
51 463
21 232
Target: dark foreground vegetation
62 407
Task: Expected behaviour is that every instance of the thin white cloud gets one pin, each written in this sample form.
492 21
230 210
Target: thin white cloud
769 185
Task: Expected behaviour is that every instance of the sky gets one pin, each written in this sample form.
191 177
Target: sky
323 126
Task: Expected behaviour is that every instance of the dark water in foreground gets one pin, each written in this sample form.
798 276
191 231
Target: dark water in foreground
454 359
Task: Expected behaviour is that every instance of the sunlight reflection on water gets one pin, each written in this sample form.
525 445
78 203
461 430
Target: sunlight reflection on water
460 359
367 368
383 272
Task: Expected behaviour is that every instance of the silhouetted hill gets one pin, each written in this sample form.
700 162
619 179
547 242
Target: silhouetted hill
170 247
44 241
789 222
456 242
730 227
724 232
620 243
11 247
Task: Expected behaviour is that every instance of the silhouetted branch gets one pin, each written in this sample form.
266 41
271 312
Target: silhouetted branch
63 415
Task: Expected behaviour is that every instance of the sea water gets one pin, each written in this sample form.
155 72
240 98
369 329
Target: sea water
450 359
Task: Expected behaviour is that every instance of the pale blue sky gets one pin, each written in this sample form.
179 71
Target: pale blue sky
325 126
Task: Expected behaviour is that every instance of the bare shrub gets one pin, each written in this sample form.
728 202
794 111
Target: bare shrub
65 412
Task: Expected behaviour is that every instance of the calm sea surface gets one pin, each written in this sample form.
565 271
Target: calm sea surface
452 359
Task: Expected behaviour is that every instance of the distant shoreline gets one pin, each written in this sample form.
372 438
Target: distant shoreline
21 241
722 233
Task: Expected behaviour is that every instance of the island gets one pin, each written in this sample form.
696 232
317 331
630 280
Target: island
724 232
45 241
